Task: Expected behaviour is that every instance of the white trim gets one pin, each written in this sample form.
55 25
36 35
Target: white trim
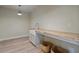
14 37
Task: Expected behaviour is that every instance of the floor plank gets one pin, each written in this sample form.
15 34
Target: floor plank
19 45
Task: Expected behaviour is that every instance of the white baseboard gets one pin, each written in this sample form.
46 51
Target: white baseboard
14 37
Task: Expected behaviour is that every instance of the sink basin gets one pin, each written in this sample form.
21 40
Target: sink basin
33 32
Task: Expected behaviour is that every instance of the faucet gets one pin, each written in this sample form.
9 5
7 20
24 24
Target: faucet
37 26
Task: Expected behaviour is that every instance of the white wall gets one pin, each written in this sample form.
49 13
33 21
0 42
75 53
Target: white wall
12 25
60 18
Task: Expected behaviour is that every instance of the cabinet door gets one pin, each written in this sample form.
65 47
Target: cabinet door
37 39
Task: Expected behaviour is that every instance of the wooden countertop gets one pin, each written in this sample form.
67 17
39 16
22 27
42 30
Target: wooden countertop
70 37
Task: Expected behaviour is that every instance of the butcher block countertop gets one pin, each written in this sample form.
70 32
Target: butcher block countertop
65 36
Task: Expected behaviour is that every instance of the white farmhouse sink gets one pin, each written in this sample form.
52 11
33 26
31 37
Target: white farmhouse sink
34 37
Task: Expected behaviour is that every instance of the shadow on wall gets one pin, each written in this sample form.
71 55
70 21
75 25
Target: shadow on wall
45 9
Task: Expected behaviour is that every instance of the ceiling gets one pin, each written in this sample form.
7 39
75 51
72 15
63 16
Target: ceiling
25 8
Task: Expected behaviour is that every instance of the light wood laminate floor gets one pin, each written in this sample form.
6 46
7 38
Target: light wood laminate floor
19 45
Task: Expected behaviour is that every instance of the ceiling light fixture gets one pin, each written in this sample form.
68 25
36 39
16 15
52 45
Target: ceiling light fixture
19 12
